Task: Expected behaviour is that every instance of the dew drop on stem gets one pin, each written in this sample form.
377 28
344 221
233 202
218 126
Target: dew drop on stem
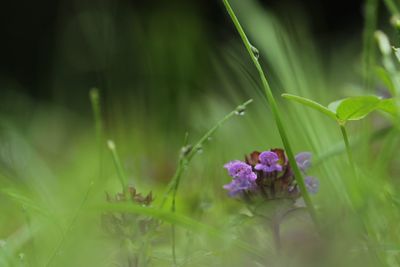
241 110
186 150
199 149
255 51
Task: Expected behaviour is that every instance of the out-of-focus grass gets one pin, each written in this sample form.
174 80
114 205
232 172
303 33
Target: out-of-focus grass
49 158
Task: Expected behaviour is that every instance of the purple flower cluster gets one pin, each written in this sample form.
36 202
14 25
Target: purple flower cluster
243 177
269 174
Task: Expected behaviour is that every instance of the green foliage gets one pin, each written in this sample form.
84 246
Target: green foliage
348 109
356 108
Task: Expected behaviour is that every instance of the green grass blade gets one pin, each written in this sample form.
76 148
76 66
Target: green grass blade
118 165
310 103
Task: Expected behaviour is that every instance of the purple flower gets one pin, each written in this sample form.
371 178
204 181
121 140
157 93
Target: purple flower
303 160
243 177
239 185
239 169
268 162
312 184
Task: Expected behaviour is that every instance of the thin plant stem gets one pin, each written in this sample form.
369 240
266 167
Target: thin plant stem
348 148
275 229
96 109
275 112
118 166
71 224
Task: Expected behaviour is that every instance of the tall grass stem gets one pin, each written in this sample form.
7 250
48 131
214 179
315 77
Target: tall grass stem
98 123
118 166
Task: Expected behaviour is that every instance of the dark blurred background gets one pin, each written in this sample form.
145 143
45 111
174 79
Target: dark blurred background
33 59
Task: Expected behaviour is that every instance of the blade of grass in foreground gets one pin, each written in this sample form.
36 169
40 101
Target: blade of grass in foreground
274 108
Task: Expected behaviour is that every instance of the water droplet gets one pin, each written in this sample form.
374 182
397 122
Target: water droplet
199 150
255 51
209 138
186 150
241 110
111 144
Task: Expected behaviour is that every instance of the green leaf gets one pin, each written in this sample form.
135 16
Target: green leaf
389 106
356 108
310 103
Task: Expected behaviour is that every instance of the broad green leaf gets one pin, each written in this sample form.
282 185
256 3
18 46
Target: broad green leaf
310 103
389 106
356 108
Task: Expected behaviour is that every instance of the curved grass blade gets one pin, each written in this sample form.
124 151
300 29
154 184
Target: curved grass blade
25 202
310 103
